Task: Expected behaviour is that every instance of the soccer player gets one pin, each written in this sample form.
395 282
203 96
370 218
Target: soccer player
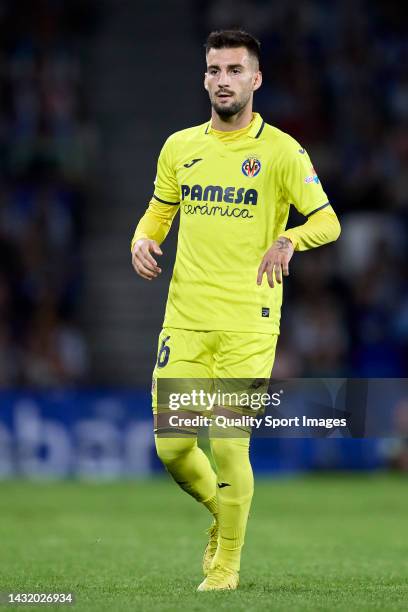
233 179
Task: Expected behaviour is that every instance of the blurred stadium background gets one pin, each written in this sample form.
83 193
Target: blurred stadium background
90 90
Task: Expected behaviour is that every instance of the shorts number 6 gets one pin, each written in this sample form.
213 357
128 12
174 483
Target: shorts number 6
164 353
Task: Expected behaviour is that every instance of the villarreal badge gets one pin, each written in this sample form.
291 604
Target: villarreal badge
251 167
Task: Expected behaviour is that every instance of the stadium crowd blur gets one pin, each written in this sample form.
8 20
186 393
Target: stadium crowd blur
45 140
335 78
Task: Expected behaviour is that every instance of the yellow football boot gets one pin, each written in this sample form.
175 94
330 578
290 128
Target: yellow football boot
220 578
211 547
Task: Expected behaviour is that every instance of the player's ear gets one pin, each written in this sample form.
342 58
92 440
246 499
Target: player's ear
257 80
205 81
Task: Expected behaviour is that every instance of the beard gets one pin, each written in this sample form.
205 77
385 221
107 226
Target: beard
230 111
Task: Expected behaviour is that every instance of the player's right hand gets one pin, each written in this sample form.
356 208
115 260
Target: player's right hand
142 260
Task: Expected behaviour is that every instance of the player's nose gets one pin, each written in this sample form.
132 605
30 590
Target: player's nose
224 79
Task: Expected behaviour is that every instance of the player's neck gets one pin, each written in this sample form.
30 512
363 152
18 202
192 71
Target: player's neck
230 124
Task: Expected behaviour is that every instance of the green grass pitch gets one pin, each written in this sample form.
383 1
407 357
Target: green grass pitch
313 543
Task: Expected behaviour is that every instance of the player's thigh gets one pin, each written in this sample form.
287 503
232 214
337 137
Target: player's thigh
244 363
183 356
245 355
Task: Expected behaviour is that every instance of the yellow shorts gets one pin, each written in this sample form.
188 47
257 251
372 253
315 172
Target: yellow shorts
187 354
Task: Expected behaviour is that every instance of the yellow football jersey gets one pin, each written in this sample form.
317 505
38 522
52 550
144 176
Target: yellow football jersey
234 196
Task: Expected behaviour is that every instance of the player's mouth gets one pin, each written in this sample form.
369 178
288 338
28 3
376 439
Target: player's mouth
223 95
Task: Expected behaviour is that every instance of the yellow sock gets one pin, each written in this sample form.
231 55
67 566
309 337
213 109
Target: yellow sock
235 486
190 468
212 505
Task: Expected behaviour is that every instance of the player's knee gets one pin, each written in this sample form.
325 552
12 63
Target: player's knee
228 452
170 449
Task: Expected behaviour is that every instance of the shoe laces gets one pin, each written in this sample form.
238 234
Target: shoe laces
218 573
212 532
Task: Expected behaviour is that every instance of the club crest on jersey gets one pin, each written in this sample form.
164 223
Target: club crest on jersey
251 166
313 178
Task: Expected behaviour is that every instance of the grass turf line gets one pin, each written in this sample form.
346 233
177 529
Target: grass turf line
314 543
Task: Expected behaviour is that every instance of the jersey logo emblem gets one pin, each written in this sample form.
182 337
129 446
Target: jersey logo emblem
194 161
251 166
313 178
265 312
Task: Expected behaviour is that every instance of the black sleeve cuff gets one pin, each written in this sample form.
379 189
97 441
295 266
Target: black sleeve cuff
320 208
165 201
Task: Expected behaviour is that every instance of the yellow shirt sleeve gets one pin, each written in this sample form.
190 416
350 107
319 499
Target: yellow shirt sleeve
166 189
321 227
300 183
156 222
303 189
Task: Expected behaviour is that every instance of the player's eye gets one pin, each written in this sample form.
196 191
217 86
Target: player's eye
213 71
236 71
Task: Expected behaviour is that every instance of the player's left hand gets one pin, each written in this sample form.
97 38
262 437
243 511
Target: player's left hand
276 259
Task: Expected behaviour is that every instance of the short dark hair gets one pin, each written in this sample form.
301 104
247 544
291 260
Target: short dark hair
226 39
